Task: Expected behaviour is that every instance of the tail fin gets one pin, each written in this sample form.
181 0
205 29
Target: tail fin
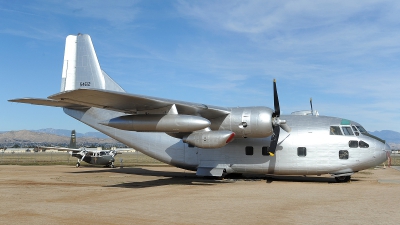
81 68
72 143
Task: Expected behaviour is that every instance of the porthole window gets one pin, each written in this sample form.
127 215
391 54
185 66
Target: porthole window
343 154
264 151
249 150
363 144
301 151
353 144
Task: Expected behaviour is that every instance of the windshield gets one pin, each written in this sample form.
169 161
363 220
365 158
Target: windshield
365 132
361 129
347 130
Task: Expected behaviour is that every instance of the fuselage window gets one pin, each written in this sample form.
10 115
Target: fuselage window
249 150
353 144
302 151
264 151
347 131
335 130
363 144
343 154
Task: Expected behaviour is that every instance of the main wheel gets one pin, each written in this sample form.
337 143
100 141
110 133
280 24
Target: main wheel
78 164
343 179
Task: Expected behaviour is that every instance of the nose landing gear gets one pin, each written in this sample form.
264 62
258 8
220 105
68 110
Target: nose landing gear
343 179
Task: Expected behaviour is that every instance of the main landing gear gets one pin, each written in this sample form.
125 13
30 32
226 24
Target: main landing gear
343 179
78 164
111 165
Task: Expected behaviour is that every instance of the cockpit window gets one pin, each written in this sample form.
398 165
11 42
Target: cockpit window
362 144
335 130
361 129
347 130
365 132
356 132
353 144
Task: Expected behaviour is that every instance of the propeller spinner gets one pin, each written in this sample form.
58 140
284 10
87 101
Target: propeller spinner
276 123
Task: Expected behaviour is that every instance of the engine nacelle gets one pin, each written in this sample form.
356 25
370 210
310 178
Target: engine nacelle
209 139
159 123
251 122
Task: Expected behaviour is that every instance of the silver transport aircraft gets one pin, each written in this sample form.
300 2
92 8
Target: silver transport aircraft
211 140
95 157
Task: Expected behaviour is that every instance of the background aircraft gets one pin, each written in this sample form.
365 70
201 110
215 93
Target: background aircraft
211 140
95 157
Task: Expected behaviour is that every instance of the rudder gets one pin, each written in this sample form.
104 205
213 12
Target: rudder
72 142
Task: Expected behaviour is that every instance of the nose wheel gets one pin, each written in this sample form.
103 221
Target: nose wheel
78 164
343 179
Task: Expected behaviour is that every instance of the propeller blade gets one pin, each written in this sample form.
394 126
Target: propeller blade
83 153
277 109
274 141
312 111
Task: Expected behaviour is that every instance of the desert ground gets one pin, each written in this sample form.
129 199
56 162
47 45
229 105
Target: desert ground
63 194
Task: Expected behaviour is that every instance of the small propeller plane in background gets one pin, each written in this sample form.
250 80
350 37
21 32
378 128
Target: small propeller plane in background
95 157
211 140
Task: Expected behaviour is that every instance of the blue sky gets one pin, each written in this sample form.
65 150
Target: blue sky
343 54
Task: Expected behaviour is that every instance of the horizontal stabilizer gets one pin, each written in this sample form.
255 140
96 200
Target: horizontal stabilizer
46 102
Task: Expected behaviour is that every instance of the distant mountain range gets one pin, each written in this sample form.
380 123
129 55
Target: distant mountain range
62 132
388 135
24 138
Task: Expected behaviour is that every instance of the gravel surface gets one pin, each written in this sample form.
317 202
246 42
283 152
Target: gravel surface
167 195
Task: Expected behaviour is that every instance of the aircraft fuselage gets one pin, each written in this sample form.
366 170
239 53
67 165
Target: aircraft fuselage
309 149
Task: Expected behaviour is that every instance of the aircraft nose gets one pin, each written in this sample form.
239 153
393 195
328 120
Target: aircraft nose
387 148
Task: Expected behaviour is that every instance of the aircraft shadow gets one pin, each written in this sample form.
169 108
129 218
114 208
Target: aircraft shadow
190 178
165 178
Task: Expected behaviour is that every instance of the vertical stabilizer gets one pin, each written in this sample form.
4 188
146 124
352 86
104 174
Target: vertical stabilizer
72 143
81 68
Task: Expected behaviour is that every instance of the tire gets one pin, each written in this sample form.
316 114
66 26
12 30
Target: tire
343 179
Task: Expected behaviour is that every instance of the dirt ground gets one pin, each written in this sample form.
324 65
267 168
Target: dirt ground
167 195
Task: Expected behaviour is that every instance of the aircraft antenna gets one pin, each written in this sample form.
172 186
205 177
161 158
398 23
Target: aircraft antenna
312 112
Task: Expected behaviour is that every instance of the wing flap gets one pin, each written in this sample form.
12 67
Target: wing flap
130 103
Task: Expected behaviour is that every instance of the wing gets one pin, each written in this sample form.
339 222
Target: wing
74 150
132 104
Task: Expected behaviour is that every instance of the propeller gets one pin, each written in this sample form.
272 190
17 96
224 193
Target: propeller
277 123
83 154
113 153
